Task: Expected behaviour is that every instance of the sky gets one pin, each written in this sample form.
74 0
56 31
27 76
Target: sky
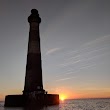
75 46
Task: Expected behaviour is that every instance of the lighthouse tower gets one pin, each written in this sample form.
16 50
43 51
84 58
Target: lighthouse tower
33 92
33 78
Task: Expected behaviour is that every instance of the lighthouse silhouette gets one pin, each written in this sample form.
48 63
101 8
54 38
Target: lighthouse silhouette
33 88
33 79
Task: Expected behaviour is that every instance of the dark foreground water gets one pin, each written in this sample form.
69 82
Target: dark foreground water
82 104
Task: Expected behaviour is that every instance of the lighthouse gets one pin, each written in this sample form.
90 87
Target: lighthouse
33 77
33 92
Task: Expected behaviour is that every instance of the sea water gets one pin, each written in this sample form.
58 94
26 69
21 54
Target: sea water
73 104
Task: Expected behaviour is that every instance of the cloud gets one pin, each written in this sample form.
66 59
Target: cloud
69 63
92 44
72 71
51 51
87 52
65 78
96 41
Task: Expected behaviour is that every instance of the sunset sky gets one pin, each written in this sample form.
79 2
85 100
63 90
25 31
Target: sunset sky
75 46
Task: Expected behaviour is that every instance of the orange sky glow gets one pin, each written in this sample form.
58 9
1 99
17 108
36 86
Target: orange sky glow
66 94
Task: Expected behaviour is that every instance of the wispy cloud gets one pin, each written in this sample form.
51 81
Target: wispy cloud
87 45
65 78
69 63
98 40
53 50
83 60
76 70
87 52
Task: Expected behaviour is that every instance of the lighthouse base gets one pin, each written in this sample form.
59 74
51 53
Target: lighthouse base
23 101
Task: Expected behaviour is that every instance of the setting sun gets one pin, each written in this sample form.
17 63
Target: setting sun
62 97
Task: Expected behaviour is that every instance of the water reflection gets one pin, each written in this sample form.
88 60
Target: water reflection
34 107
55 107
30 106
81 104
13 108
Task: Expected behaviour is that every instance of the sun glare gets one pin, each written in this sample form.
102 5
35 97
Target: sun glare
62 97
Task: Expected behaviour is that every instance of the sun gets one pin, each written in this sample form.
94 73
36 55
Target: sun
62 97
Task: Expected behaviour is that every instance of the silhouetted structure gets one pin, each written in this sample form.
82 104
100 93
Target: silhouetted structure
33 89
33 79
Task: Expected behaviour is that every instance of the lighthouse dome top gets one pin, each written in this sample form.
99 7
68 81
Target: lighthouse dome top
34 11
34 17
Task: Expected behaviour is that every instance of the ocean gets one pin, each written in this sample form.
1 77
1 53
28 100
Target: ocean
76 104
